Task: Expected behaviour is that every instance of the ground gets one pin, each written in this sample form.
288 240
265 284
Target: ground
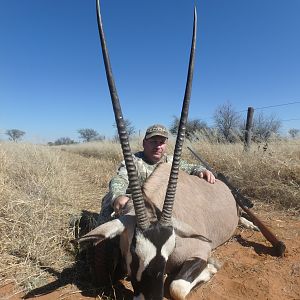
250 269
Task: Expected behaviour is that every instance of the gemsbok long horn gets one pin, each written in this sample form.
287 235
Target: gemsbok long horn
136 191
166 215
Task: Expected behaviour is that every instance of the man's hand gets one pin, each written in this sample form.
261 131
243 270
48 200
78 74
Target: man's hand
119 203
209 176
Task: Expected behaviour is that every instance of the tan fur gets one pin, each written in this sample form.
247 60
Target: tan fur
209 209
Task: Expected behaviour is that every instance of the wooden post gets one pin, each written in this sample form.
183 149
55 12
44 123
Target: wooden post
248 128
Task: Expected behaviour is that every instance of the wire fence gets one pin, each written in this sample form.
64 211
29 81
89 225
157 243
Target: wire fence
209 119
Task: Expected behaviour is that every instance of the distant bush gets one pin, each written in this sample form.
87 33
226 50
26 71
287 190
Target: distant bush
227 122
193 127
294 133
62 141
265 127
89 134
15 134
129 128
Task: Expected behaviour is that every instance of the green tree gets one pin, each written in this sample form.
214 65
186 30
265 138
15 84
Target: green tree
15 134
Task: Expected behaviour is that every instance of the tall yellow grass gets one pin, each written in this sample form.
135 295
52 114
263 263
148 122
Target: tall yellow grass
42 188
270 175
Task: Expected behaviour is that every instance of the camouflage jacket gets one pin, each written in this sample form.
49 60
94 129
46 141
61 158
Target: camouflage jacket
119 184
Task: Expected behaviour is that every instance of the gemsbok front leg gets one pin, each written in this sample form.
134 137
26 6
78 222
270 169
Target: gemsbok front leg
194 271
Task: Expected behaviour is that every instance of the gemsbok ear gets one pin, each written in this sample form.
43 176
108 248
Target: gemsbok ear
108 230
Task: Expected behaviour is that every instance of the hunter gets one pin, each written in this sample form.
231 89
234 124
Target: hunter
154 152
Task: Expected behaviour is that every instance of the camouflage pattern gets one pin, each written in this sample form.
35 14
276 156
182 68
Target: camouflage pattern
155 130
119 184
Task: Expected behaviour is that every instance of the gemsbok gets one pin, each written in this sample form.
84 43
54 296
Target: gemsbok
175 219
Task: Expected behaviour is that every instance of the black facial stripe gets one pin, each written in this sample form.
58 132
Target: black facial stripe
152 278
158 235
152 281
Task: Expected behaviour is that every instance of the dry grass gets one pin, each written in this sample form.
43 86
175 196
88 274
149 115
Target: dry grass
42 188
269 175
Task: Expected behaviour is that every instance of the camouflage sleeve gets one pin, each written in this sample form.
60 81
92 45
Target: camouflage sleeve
192 169
119 184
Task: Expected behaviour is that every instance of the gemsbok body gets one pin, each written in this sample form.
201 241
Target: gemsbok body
174 220
204 216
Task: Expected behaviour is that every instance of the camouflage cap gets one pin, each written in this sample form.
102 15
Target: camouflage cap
156 129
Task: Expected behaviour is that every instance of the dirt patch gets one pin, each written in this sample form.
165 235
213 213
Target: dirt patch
250 269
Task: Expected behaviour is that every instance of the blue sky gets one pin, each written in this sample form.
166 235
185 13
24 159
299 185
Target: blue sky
52 78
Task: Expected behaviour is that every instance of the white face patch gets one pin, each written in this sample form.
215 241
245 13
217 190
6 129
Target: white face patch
146 251
168 246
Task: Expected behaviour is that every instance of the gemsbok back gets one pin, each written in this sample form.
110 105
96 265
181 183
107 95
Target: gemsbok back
174 220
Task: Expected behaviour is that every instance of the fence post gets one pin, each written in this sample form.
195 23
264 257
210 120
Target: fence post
248 128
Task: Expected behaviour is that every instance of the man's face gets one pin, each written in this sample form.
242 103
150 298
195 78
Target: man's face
154 148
